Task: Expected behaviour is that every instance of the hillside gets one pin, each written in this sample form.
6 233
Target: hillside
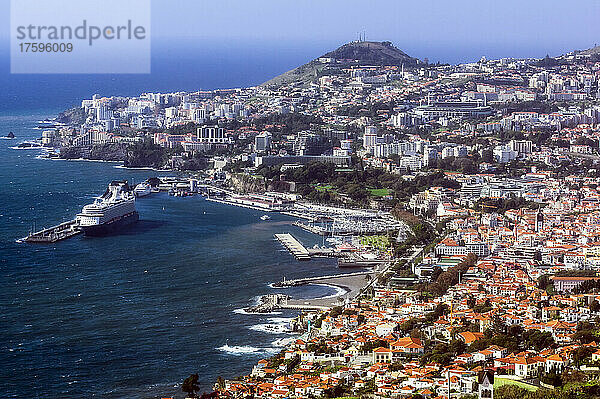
380 53
591 51
354 53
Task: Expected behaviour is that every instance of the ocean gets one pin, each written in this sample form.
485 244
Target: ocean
132 315
176 66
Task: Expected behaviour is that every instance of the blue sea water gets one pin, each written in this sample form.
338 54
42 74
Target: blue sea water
129 316
176 66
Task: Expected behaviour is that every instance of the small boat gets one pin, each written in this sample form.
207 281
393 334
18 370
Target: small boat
265 217
142 190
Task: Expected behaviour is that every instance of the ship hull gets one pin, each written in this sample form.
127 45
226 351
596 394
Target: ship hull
112 226
140 194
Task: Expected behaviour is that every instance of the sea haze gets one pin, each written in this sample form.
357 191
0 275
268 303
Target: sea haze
130 316
177 65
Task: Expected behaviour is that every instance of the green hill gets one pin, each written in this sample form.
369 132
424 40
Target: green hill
354 53
379 53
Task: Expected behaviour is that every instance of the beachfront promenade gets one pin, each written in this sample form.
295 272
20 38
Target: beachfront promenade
308 280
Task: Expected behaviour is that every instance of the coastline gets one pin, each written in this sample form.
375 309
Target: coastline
256 208
265 348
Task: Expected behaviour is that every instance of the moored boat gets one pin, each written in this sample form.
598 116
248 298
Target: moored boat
142 189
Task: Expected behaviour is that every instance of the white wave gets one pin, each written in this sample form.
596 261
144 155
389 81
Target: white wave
245 350
142 168
275 325
243 311
282 342
86 160
26 148
280 320
270 328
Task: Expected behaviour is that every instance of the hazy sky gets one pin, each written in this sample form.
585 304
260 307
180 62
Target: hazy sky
441 30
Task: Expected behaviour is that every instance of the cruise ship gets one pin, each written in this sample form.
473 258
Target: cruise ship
114 210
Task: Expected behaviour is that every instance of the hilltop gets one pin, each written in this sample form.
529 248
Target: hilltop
380 53
353 53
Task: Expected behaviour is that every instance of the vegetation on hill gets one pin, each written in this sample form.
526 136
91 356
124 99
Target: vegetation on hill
360 53
324 183
591 51
589 390
501 205
72 116
444 280
382 53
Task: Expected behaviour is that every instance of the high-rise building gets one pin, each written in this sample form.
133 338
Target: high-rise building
262 142
103 113
370 130
307 143
369 140
211 135
521 146
346 145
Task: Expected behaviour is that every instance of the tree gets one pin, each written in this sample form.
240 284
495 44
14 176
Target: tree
221 383
510 392
543 282
335 392
190 385
581 353
487 156
457 347
538 340
553 378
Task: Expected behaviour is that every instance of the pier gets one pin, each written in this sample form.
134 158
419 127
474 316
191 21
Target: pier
293 245
55 233
273 302
309 280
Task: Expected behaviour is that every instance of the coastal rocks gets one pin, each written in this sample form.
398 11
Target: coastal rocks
269 303
104 152
10 135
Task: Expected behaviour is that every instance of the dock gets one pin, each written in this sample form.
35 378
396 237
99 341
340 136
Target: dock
293 245
309 280
273 302
55 233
